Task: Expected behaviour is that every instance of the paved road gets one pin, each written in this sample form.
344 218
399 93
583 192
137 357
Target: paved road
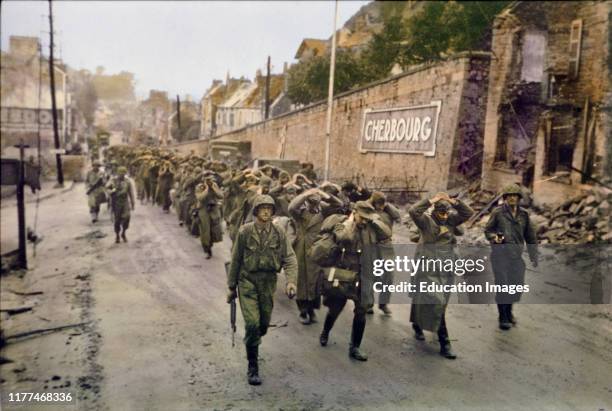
164 343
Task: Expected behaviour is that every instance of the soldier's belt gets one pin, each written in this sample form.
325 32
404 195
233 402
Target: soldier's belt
336 275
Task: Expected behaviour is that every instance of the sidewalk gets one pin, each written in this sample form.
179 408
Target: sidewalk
8 204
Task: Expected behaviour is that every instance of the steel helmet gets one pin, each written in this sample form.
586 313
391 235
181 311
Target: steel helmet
261 200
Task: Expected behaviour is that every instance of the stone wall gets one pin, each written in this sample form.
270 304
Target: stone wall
459 83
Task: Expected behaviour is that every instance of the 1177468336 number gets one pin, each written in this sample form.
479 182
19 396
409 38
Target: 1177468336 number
51 397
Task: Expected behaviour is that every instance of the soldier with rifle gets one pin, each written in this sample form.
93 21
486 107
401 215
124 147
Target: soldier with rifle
260 251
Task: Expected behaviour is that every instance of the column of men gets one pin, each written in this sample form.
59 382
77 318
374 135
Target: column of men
324 237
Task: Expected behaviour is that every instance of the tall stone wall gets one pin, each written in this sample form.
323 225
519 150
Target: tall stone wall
459 83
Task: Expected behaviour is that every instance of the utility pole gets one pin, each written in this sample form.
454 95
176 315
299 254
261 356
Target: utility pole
22 259
178 116
58 158
267 102
330 95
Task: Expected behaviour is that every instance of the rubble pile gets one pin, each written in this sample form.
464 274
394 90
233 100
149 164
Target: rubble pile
583 219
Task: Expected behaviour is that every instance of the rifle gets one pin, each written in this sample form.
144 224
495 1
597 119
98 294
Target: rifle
232 310
96 185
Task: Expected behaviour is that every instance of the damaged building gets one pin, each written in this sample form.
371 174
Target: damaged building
549 99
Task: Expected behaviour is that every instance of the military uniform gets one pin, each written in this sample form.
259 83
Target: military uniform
389 214
516 230
209 216
259 253
121 192
94 182
437 241
165 180
359 245
308 222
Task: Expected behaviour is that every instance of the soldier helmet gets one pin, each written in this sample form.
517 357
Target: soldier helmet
261 200
364 209
378 197
348 186
512 189
96 163
122 170
265 181
291 188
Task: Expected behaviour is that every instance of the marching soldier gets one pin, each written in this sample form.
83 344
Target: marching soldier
121 192
208 195
389 215
165 179
306 212
260 251
357 237
508 230
94 182
437 240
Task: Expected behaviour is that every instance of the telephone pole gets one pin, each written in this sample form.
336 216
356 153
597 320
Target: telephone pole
267 102
178 117
330 96
58 157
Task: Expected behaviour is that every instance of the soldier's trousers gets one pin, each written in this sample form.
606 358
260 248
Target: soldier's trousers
256 296
121 216
387 279
336 305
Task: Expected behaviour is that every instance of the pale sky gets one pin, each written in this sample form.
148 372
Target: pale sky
178 46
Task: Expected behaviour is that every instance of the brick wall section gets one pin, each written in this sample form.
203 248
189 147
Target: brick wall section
460 83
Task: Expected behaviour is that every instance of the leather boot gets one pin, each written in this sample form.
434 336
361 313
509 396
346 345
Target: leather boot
504 320
124 236
445 346
253 371
330 319
418 332
312 316
511 316
117 239
446 350
356 337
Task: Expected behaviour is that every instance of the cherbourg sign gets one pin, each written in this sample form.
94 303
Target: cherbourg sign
409 130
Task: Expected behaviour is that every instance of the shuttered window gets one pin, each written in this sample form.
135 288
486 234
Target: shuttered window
574 48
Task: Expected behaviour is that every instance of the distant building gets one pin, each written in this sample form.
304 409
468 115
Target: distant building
153 118
25 98
311 48
240 102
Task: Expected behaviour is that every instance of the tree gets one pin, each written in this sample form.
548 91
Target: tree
443 28
383 50
308 80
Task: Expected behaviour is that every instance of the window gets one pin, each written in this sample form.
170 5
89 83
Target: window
574 48
532 54
560 139
231 119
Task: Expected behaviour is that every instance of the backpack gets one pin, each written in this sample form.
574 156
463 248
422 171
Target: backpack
324 251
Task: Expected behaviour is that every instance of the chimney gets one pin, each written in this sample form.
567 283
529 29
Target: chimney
257 74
